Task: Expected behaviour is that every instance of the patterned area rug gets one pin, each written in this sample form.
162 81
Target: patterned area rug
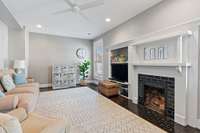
89 112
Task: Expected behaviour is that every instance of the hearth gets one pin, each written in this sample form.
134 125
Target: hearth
157 93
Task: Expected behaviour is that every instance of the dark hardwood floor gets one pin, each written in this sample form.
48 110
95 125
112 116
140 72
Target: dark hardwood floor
155 118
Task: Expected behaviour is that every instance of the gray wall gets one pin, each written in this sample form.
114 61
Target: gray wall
46 50
3 45
13 36
164 14
7 18
16 45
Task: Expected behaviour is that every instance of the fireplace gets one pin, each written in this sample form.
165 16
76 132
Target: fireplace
154 98
157 93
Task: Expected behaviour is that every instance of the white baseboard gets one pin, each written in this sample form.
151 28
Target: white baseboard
135 100
180 119
93 81
45 85
198 124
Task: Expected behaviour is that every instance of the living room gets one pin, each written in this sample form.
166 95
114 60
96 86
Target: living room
104 66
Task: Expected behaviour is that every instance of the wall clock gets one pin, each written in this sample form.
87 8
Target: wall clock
81 53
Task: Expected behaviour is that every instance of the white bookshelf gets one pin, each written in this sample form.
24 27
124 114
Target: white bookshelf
64 76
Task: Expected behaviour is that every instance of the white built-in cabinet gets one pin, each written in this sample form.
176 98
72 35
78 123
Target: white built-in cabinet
64 76
178 56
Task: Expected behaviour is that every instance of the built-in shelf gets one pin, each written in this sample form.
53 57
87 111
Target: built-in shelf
163 64
123 83
119 63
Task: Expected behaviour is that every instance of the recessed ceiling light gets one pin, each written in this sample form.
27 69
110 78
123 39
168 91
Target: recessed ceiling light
107 19
39 26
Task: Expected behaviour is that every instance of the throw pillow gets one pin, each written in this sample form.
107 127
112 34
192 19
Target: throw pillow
1 88
1 94
20 78
7 82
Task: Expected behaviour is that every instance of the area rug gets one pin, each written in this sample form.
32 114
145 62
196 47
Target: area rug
89 112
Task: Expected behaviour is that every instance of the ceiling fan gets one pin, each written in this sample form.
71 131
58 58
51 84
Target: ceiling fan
75 8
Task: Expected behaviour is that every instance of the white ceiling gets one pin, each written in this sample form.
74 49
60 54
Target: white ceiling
32 12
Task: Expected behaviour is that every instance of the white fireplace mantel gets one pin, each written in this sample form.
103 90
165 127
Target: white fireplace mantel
180 66
162 64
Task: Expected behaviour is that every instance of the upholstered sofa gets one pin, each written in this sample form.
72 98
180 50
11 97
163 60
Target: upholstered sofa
18 121
24 96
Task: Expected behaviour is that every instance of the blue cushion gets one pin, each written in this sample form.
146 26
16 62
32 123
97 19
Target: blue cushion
1 94
20 78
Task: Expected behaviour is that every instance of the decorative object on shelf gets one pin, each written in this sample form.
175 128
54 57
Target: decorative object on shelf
165 52
81 53
63 76
19 66
84 71
158 53
152 53
161 53
146 54
119 55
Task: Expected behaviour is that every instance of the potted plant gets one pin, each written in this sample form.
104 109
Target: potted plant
84 71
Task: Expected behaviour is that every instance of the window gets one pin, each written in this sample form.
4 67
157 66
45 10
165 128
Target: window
98 59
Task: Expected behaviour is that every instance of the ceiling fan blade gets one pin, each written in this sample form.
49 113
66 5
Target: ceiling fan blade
84 16
93 4
63 11
70 3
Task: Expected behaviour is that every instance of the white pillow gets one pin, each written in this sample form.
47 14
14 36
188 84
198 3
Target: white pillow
9 124
7 82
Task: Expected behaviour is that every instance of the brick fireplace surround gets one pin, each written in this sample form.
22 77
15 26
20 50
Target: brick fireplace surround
165 84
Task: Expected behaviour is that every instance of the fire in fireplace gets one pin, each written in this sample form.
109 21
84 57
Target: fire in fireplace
154 99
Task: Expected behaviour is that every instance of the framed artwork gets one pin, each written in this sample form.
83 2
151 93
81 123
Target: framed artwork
165 52
158 53
152 53
146 54
161 53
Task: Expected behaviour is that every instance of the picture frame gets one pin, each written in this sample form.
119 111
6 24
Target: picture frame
165 52
152 53
146 54
156 54
161 53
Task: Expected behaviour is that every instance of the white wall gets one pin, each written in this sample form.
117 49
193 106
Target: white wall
46 50
3 45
